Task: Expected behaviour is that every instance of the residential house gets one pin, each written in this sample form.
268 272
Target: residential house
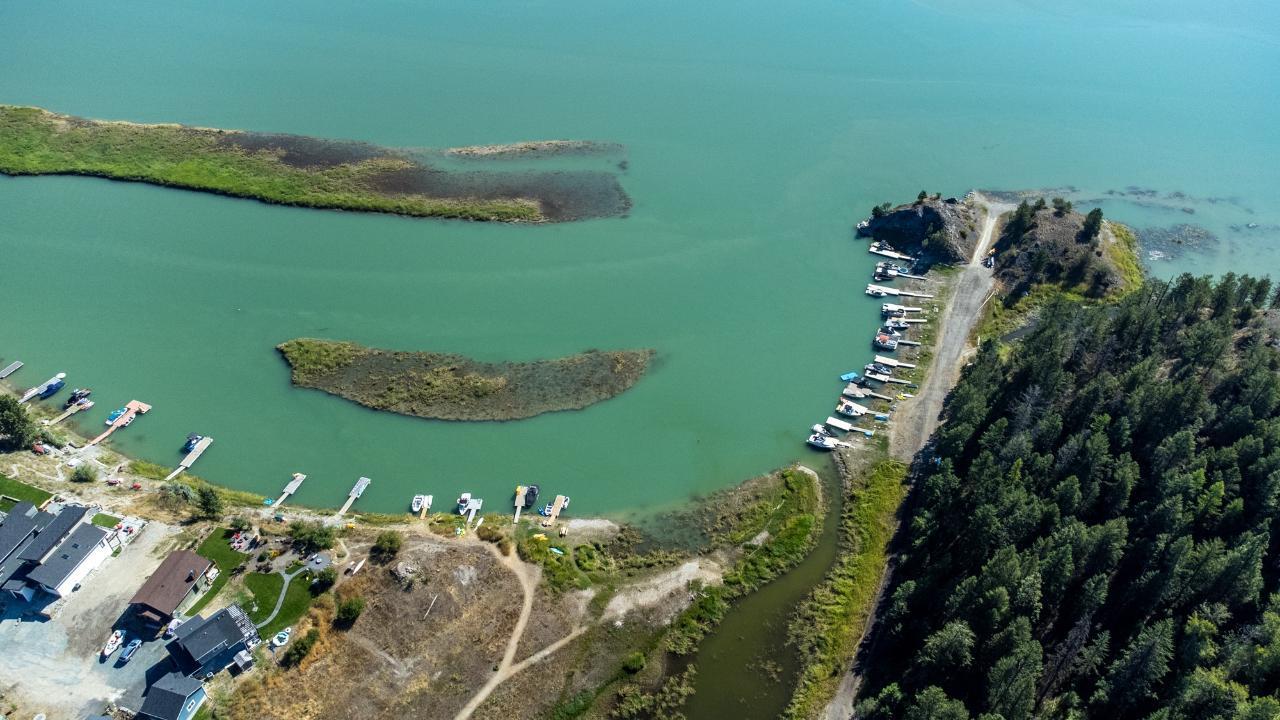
47 551
180 576
203 647
173 697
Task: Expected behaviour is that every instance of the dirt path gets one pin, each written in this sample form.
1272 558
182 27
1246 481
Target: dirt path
528 586
917 418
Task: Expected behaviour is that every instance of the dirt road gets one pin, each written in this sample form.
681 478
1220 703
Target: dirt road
917 418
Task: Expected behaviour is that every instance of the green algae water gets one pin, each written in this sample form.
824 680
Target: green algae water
756 134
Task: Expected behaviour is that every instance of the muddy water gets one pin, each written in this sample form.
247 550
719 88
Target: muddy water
745 670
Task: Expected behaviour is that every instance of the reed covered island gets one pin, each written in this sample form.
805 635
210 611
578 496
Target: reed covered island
296 170
453 387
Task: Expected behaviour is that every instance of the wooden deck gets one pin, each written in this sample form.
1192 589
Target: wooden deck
133 408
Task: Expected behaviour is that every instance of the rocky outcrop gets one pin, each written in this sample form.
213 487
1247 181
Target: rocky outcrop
934 230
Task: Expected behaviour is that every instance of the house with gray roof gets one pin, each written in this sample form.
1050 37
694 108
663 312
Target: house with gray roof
173 697
203 647
47 551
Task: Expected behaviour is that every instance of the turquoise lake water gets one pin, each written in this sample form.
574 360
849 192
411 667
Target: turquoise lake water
756 133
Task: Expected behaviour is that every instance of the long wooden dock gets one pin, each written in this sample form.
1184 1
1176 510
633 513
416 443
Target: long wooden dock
10 369
69 412
879 290
520 493
556 507
133 408
890 254
290 489
356 491
891 362
886 379
857 391
191 457
890 308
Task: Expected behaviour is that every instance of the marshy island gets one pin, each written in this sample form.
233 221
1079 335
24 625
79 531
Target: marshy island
302 171
446 386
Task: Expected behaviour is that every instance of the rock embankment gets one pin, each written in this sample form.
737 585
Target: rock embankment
933 229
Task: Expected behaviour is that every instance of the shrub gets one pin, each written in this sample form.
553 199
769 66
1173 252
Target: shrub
324 580
311 536
16 428
634 663
300 648
240 523
387 545
84 474
349 611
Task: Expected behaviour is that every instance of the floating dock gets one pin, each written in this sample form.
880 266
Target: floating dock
520 493
857 391
426 507
556 507
41 387
890 254
890 308
10 369
881 290
69 412
191 457
886 379
838 424
356 490
912 343
891 362
133 409
290 489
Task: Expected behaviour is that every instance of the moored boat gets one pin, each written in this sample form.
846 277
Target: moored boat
885 342
418 502
51 389
77 396
822 441
115 415
190 444
530 496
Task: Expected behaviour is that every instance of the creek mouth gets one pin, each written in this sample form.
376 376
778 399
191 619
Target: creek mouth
745 668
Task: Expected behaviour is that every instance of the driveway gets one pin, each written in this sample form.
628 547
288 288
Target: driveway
53 663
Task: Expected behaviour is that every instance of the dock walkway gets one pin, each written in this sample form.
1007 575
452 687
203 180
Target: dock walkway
191 458
356 491
290 489
133 409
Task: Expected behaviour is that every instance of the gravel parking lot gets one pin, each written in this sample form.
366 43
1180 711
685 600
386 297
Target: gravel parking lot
51 665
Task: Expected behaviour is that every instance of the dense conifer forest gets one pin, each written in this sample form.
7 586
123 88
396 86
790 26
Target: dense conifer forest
1093 535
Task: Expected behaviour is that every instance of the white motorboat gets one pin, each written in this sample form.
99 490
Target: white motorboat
822 441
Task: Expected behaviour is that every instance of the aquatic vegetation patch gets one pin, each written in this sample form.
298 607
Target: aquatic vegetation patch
453 387
296 170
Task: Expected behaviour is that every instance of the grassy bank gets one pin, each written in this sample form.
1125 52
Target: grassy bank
15 490
217 548
829 626
452 387
37 142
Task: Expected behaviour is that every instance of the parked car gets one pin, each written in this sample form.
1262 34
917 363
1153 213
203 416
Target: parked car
129 650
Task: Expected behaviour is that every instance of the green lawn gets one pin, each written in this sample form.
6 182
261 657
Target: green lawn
22 491
216 547
105 520
296 601
264 588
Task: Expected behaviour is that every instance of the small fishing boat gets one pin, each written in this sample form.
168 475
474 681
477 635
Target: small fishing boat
864 224
820 428
850 377
822 441
897 324
113 644
876 292
115 415
191 442
418 502
129 420
129 650
77 396
878 368
850 409
885 342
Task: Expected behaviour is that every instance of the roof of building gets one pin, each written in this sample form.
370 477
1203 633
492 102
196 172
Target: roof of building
204 638
166 697
165 590
67 556
48 537
18 526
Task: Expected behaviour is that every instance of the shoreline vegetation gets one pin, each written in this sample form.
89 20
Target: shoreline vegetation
302 171
453 387
534 148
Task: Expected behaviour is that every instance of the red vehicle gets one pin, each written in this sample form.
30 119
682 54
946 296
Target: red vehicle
39 448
